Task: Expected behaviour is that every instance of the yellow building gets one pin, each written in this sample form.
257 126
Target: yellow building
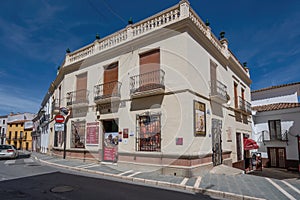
19 134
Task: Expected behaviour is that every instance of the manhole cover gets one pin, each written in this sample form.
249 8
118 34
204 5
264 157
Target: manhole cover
61 189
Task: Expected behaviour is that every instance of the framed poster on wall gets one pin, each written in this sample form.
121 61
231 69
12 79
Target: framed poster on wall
199 119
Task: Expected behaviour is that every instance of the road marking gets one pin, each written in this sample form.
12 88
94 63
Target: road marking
121 174
291 186
184 181
136 173
198 181
280 189
94 165
85 165
9 162
28 160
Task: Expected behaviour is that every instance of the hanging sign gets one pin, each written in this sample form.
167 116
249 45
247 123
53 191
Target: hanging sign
59 127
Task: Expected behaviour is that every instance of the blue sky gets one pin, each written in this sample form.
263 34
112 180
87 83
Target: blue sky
34 35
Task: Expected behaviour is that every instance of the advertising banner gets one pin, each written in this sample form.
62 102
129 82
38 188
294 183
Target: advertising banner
92 133
110 147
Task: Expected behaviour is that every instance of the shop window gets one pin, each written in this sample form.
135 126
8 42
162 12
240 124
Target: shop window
149 132
78 134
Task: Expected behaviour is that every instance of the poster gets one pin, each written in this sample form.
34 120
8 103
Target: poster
199 119
125 133
110 147
92 133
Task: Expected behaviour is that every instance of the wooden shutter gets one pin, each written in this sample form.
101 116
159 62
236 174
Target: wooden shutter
149 67
81 86
110 79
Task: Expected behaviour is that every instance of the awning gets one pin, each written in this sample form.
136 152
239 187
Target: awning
250 144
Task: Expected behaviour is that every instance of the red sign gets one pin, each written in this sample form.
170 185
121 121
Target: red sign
92 133
59 119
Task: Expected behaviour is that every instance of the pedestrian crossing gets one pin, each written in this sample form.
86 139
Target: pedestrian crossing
19 161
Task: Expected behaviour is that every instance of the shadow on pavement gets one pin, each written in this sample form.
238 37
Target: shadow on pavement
276 173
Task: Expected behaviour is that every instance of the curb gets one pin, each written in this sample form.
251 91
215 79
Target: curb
210 192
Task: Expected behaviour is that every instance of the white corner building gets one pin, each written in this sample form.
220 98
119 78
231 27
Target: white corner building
163 93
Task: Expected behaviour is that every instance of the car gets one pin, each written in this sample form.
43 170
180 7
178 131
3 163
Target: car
8 151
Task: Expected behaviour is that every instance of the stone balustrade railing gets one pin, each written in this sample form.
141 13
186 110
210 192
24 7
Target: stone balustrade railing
169 16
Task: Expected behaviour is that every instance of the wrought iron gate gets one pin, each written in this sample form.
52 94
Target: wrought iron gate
216 142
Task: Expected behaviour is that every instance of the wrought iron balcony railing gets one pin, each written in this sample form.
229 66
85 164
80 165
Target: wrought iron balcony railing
276 136
107 91
77 97
244 105
55 106
147 81
218 91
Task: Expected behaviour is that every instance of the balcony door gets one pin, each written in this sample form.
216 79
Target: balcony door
149 68
81 86
110 80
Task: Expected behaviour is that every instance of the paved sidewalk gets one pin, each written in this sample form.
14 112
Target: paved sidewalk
222 182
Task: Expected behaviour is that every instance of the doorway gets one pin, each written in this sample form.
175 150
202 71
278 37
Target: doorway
277 156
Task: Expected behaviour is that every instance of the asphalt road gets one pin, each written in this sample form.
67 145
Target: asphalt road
25 178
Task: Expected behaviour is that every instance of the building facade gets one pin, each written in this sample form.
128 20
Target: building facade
19 128
276 117
3 125
164 93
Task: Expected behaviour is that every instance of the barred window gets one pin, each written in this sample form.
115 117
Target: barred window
148 132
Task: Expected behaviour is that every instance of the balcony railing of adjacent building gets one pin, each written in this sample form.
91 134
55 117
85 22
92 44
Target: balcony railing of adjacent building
150 82
45 119
78 97
218 92
107 92
55 106
244 105
276 136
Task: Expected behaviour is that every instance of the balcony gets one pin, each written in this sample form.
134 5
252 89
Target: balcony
45 119
276 136
244 105
107 92
78 98
218 92
55 106
147 84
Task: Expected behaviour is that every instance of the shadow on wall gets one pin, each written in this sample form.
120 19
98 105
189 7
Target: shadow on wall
146 103
217 109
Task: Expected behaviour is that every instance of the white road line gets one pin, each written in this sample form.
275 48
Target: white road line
28 160
291 186
94 165
184 181
85 165
198 181
121 174
8 162
280 189
136 173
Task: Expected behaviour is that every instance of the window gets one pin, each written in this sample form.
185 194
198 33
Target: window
9 135
236 100
3 122
78 134
149 132
16 134
16 125
275 129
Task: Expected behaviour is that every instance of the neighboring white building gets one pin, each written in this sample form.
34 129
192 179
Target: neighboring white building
276 117
164 93
3 126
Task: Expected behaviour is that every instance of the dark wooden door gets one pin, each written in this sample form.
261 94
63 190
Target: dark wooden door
277 156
